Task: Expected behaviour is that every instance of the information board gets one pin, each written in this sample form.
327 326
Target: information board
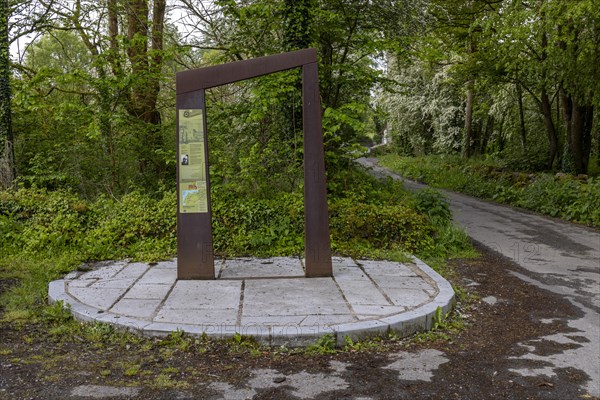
192 162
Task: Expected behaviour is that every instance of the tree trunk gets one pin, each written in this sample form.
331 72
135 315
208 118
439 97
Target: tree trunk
145 69
469 119
597 141
587 136
137 51
578 120
550 130
501 140
489 129
298 22
298 34
567 112
7 155
113 33
158 25
522 118
581 136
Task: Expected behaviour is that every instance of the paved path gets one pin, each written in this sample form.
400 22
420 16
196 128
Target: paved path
560 257
268 299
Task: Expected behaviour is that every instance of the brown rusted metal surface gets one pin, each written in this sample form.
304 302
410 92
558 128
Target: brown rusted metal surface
195 258
204 78
194 235
316 226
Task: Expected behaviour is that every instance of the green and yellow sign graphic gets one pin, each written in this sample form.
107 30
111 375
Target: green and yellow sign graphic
192 162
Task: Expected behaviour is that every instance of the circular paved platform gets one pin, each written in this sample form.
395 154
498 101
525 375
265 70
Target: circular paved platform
269 299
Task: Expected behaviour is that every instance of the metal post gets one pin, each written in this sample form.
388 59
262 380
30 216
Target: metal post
316 227
194 233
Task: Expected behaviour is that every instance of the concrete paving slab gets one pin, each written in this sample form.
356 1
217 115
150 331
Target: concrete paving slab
327 320
133 270
136 307
193 295
409 298
293 297
148 291
273 320
349 274
82 282
386 268
363 298
362 292
275 267
370 311
407 282
114 283
342 262
98 297
169 264
73 275
227 316
162 276
104 272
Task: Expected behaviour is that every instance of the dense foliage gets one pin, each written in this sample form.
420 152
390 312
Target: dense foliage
44 234
501 78
377 216
93 104
561 195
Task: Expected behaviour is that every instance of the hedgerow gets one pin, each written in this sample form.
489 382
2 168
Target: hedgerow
564 196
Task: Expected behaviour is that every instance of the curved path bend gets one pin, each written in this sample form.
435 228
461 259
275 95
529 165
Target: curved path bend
557 256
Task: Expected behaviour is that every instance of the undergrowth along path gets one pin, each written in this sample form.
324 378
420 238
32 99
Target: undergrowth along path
557 256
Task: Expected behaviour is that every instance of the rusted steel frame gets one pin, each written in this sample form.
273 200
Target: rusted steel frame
316 221
204 78
194 234
195 258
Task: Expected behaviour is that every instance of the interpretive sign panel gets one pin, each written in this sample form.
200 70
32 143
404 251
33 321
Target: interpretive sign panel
192 170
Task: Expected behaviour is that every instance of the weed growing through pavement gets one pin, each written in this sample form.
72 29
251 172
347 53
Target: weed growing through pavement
439 319
241 344
367 344
324 345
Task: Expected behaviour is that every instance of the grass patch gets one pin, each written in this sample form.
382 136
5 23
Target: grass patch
132 370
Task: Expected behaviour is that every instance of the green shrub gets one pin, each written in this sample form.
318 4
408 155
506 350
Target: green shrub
383 226
261 227
565 197
40 221
434 204
137 226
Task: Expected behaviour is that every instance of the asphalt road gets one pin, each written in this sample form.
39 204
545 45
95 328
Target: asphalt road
558 256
